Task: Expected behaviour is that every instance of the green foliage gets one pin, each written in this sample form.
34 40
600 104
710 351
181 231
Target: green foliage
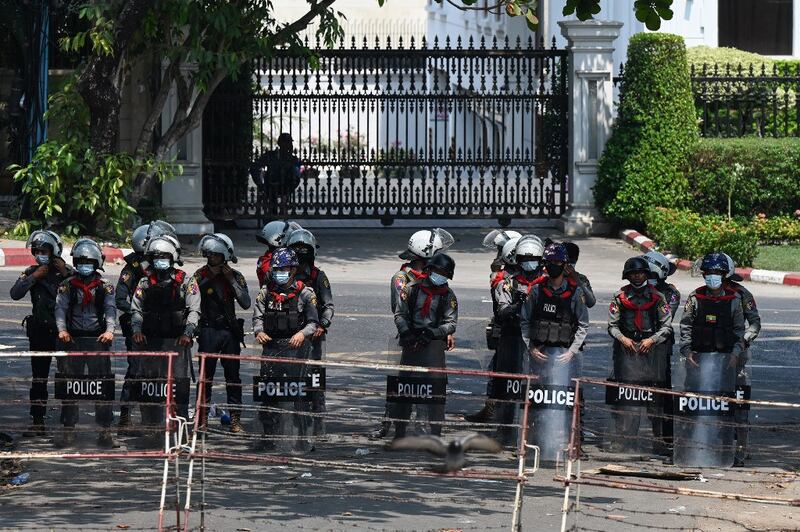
73 187
690 235
769 182
698 56
777 229
655 130
781 258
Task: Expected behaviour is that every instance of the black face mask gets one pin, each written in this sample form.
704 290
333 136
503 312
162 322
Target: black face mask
304 255
554 270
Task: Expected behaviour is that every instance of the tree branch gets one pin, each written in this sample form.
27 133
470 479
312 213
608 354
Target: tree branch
300 24
157 107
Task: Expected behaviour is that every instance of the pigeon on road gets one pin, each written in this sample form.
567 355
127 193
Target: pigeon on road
454 452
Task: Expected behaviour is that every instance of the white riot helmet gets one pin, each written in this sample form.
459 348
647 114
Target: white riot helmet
276 233
732 275
143 233
86 248
43 237
426 243
167 245
139 238
303 236
659 264
509 253
529 245
498 238
217 243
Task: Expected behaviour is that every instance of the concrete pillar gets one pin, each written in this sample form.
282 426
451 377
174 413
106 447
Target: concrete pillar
591 66
182 196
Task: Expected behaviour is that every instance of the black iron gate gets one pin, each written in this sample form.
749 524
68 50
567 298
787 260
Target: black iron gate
472 130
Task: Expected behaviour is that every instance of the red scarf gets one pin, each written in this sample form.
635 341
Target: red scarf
630 305
726 295
205 273
86 289
501 275
521 279
263 266
281 297
564 295
416 273
430 291
179 276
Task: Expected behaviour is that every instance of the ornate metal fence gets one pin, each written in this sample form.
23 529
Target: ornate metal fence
459 130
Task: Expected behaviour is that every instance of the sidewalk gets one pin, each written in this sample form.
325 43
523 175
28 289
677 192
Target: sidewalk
14 253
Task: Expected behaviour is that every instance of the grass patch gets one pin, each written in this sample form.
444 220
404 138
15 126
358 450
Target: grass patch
783 258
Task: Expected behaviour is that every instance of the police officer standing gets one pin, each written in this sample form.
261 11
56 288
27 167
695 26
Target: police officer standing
42 281
86 318
274 235
135 268
426 315
554 322
753 319
639 321
221 287
165 312
511 289
304 245
284 321
573 252
660 269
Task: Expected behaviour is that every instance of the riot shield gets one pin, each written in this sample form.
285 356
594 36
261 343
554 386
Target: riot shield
704 427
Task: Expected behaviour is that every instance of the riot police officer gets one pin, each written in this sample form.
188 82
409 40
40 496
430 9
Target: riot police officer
554 322
274 235
422 246
304 245
495 240
165 312
639 321
284 321
753 319
426 316
712 333
86 318
221 288
573 252
42 281
135 268
660 269
511 289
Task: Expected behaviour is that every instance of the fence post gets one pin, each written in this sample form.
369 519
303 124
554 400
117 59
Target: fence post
590 93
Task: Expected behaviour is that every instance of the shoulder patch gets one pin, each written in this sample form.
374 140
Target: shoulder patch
125 276
750 304
139 292
109 288
313 300
663 307
613 308
325 282
260 298
453 303
63 288
240 280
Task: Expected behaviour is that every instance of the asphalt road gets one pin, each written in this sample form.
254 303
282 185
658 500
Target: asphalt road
104 494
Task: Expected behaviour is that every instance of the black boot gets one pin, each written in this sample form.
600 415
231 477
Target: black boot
484 415
381 432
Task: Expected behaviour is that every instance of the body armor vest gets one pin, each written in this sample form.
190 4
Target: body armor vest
554 323
216 303
164 307
712 328
649 316
285 319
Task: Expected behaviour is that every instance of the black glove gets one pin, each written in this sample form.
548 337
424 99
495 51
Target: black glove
427 334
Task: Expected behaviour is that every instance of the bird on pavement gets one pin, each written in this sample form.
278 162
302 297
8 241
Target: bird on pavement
453 452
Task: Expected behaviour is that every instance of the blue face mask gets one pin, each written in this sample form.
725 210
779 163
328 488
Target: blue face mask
652 282
529 265
437 279
713 281
41 260
161 264
281 277
85 269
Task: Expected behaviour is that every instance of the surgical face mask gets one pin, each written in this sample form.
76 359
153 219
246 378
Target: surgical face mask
281 277
554 270
529 265
161 264
85 269
713 281
437 278
640 285
41 260
652 282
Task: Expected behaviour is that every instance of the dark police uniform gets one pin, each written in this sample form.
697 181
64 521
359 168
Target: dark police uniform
135 268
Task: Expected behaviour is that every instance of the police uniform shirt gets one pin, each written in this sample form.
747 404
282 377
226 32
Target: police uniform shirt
306 306
399 281
750 311
445 305
690 313
84 317
672 296
322 289
49 282
510 295
620 318
209 284
586 287
580 312
188 290
129 277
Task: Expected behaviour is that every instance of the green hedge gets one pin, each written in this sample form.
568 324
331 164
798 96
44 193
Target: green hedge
655 129
690 235
777 229
706 55
768 180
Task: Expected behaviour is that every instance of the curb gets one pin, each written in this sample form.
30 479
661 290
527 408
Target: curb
23 257
644 244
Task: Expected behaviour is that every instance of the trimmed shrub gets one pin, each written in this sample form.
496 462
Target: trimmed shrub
767 180
655 130
690 235
777 229
706 55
